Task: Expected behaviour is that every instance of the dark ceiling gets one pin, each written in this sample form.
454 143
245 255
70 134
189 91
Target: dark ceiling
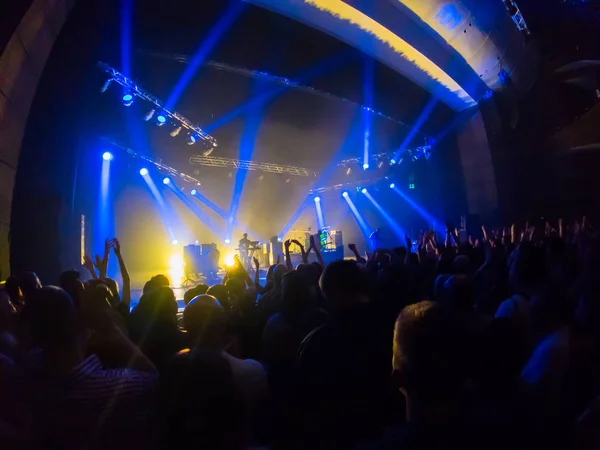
262 40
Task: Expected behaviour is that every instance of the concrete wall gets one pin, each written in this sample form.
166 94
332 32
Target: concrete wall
22 61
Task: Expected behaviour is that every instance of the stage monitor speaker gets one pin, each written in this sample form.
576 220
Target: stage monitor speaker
192 259
338 241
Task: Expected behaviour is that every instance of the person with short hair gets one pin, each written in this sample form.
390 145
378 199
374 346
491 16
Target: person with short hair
89 403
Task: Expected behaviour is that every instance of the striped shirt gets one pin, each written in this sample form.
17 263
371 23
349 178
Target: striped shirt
91 407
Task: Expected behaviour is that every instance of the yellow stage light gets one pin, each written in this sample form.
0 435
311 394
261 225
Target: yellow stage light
229 260
176 271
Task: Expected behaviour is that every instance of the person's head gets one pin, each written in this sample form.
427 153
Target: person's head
461 265
427 357
51 319
344 284
29 283
194 292
295 293
7 311
69 280
205 322
245 235
278 273
220 292
11 286
236 288
159 306
526 268
458 294
155 282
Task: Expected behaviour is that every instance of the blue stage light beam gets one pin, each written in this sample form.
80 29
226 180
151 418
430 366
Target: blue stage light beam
165 211
105 222
205 218
416 127
126 20
367 116
332 63
320 215
353 135
362 223
233 11
436 224
288 226
397 229
218 210
247 142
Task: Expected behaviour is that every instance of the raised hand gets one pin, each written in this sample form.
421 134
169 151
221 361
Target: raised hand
352 248
408 242
312 242
89 265
256 263
287 245
116 246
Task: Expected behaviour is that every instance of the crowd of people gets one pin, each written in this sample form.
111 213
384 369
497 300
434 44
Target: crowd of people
466 343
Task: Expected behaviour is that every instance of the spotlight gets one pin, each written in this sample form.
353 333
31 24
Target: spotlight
166 180
107 156
392 185
161 119
348 170
317 199
365 166
192 139
228 241
175 132
128 99
364 190
174 242
345 194
380 164
149 115
215 144
194 192
143 172
279 239
208 152
392 161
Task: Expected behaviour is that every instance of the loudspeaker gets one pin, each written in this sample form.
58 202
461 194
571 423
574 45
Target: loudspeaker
192 259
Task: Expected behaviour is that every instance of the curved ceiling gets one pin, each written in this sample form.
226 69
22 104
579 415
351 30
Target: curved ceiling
454 50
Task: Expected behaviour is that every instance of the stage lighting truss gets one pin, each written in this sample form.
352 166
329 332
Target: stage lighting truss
211 161
275 79
167 170
390 158
173 117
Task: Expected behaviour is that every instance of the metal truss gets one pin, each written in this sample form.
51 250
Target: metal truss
158 164
410 154
282 81
137 91
211 161
347 186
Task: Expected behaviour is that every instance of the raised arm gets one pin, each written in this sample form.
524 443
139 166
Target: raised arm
317 251
89 265
288 258
256 273
304 253
126 288
359 258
